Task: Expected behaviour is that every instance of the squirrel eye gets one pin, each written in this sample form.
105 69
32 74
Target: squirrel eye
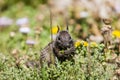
58 38
69 37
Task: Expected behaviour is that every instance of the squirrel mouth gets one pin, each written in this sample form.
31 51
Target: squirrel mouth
64 48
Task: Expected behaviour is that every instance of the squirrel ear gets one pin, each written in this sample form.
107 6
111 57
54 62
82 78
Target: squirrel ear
58 28
67 29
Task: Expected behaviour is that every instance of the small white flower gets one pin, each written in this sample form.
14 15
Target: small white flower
24 30
30 42
22 21
5 21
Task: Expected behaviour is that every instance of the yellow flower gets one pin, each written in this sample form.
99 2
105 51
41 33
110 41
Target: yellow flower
77 43
54 30
85 43
93 44
116 33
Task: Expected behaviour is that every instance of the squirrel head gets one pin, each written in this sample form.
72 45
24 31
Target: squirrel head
63 39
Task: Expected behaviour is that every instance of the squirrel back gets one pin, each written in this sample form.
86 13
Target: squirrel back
46 55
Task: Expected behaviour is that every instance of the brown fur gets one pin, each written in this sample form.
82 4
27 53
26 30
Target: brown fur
62 48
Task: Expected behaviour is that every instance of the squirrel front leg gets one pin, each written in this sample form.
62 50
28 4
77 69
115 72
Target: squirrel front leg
61 53
69 51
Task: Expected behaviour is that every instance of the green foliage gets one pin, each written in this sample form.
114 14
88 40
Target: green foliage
83 67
